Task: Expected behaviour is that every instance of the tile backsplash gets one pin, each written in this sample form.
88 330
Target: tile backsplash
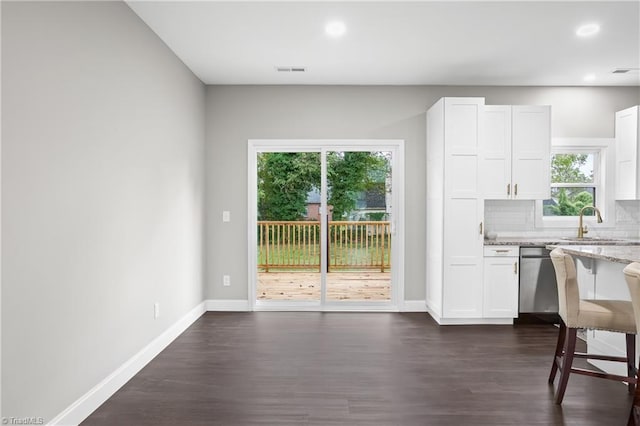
509 216
506 218
627 213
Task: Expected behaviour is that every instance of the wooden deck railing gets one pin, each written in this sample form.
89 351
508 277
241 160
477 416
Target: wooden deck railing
295 245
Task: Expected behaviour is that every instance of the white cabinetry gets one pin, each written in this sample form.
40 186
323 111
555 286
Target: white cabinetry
515 152
455 210
627 154
500 291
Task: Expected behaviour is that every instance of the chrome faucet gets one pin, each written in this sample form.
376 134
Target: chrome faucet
583 229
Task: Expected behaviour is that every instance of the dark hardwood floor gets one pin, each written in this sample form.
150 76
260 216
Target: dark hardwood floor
303 368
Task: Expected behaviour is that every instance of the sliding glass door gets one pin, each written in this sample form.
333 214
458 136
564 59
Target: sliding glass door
288 225
323 225
359 188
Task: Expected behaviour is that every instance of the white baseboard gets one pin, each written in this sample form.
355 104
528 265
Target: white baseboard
245 306
478 321
414 306
89 402
433 310
471 321
227 305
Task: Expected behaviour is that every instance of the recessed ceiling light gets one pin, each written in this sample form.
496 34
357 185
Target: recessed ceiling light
589 77
285 68
587 30
335 28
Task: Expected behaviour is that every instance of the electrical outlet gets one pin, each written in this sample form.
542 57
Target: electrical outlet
156 310
226 280
226 216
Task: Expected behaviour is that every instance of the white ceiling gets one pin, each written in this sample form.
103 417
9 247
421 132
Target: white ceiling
401 43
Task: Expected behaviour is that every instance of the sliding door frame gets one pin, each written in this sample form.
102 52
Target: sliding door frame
322 146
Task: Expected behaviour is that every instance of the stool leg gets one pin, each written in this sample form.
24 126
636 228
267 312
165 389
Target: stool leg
559 346
567 361
634 415
631 359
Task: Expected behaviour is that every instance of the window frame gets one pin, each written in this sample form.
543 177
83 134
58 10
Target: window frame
603 168
597 178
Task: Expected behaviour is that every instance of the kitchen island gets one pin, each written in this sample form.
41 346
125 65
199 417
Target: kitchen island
600 272
612 253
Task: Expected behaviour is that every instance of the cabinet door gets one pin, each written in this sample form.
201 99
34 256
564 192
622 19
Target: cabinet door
500 293
463 258
495 153
463 210
531 152
463 127
627 154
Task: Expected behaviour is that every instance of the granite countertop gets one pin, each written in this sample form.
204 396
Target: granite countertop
618 253
522 241
545 241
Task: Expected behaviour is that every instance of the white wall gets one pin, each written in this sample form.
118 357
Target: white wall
238 113
102 187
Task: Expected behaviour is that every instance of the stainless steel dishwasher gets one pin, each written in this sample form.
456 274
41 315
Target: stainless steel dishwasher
538 287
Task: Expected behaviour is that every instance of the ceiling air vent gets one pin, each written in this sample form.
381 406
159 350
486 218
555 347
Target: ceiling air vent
624 70
291 69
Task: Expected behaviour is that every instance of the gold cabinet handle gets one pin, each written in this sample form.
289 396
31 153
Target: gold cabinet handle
481 228
508 189
515 189
515 268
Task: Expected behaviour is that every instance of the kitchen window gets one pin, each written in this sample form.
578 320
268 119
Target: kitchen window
574 183
579 178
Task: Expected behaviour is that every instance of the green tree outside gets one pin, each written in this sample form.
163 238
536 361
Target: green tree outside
568 168
286 178
349 173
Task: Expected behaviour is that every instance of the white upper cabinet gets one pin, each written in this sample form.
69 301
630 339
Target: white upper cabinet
495 164
531 153
515 153
627 154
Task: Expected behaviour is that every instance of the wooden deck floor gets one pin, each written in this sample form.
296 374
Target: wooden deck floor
368 285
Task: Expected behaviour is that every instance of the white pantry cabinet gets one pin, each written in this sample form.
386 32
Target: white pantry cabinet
627 154
501 280
515 152
455 210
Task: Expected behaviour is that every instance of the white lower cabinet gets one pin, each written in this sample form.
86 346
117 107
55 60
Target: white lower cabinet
500 283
